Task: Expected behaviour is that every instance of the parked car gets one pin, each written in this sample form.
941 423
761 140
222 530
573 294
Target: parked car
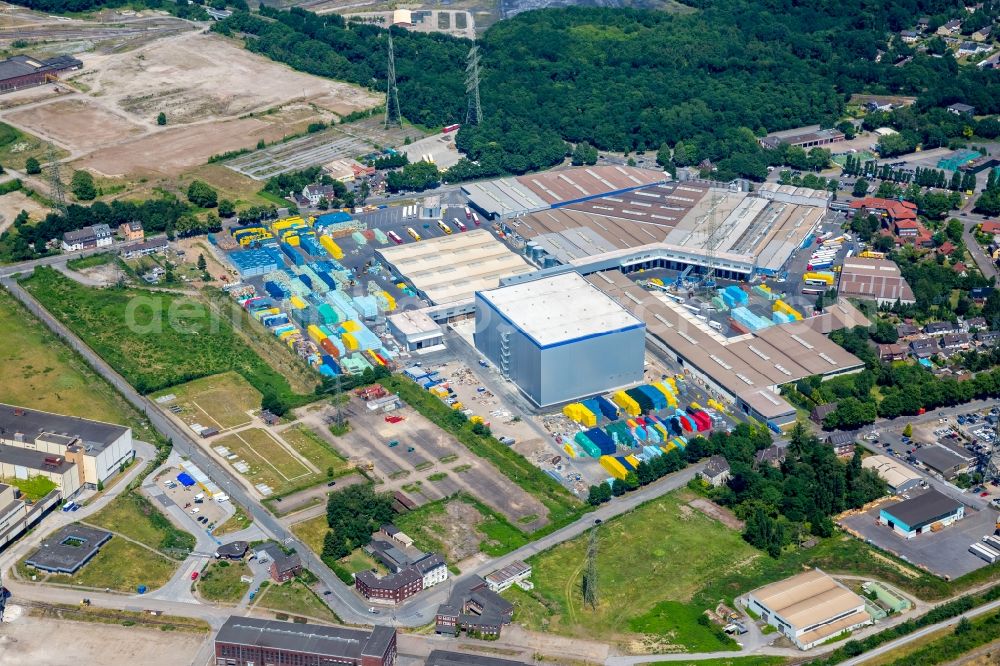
194 575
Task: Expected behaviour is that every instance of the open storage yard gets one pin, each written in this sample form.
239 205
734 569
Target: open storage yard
437 466
217 97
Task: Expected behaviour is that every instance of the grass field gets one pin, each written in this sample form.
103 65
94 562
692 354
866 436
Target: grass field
312 532
121 565
663 550
43 373
269 461
733 661
17 146
311 447
134 516
295 598
432 528
220 581
156 340
221 400
236 522
93 260
304 459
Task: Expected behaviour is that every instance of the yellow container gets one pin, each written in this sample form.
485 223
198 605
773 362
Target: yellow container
349 342
316 334
613 467
297 303
632 459
569 451
630 406
389 300
350 326
331 247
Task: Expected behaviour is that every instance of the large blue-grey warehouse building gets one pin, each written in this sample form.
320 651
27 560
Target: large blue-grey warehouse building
559 338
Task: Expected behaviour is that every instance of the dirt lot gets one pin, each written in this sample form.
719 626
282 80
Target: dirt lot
179 148
437 466
195 76
208 87
30 640
78 124
13 203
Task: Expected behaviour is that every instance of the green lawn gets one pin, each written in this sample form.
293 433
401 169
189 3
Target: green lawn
33 488
155 339
17 146
134 516
662 551
41 372
295 598
220 581
122 566
671 618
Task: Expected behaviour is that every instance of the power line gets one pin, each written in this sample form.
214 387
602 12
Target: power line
57 191
474 113
393 116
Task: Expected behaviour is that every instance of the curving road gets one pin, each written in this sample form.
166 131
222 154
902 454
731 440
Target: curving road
343 600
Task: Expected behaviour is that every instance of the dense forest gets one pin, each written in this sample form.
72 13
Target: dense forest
634 80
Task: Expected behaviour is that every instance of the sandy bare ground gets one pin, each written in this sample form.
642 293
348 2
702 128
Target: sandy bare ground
176 149
206 85
78 124
32 640
13 203
195 76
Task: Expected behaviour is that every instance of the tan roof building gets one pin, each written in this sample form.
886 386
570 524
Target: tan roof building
899 477
879 280
809 608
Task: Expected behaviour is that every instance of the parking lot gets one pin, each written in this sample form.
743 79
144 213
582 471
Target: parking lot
945 553
427 464
209 512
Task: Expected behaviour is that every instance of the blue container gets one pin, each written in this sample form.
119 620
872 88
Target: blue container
659 400
608 408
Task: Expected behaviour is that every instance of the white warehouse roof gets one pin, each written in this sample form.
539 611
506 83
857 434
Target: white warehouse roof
560 309
453 268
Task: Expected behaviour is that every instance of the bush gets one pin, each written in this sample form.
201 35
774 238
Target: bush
32 166
201 194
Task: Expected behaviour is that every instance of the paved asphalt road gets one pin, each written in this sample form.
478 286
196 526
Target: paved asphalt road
892 645
348 606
